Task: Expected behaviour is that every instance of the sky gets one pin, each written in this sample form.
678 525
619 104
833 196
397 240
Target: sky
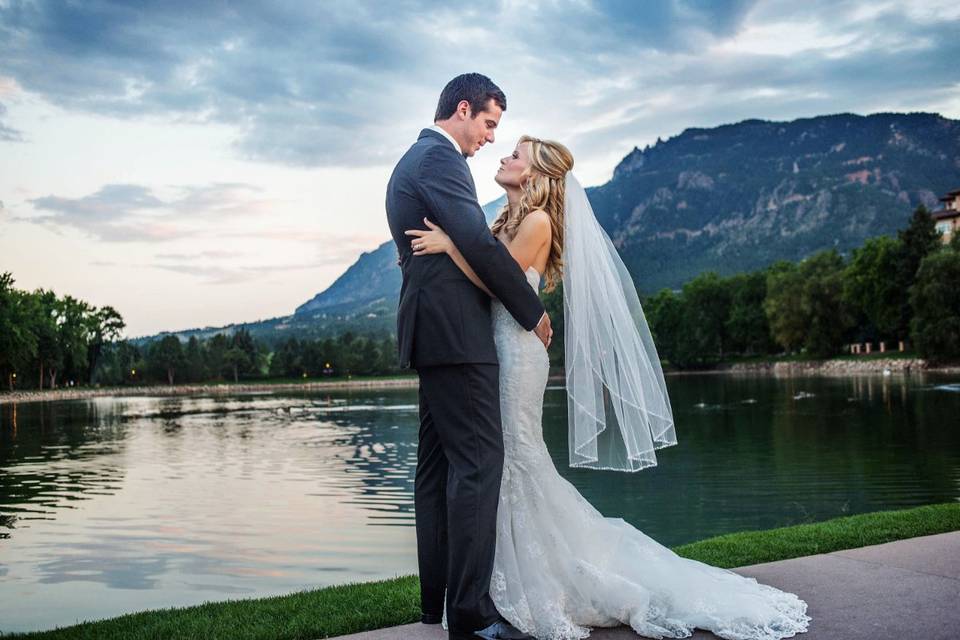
198 164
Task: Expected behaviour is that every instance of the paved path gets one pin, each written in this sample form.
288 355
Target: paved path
909 589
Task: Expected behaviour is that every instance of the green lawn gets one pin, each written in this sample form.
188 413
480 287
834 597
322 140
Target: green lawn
334 611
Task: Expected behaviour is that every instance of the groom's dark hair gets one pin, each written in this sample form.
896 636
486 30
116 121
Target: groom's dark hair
475 88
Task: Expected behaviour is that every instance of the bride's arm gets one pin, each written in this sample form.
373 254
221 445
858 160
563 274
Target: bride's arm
532 235
437 241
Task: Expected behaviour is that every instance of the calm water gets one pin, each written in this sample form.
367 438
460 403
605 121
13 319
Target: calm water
114 505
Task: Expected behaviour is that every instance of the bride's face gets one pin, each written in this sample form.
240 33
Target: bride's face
512 167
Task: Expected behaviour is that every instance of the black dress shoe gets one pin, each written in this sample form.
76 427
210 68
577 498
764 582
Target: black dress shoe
502 630
431 618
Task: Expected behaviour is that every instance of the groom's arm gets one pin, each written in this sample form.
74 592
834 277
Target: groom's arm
447 186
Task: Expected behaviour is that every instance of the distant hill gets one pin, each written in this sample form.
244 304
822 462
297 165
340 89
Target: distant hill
740 196
373 278
731 198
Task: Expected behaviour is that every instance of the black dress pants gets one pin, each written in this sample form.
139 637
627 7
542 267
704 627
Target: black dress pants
457 488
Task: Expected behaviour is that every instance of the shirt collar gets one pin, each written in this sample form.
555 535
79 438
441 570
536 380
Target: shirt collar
448 137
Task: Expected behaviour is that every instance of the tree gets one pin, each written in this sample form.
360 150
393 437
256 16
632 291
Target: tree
194 369
105 325
129 360
43 310
919 239
236 359
871 289
167 354
254 357
935 300
73 336
286 361
822 305
388 355
369 356
747 325
707 299
667 316
783 305
217 348
18 345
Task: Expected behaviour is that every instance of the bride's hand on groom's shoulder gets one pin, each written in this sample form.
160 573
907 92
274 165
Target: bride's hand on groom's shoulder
433 241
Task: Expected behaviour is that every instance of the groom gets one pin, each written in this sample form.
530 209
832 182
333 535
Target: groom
444 332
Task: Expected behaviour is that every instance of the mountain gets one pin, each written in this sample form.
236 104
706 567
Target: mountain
738 197
731 198
373 279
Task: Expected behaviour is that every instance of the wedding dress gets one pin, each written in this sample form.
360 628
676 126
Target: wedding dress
561 567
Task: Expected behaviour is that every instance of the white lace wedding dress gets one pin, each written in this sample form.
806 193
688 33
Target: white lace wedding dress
561 567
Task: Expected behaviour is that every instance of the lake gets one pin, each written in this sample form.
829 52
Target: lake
113 505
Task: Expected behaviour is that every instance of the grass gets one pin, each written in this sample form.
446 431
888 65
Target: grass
334 611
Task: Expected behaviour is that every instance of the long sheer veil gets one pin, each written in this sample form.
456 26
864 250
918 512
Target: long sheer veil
618 409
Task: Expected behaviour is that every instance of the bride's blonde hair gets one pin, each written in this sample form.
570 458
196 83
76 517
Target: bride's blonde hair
544 188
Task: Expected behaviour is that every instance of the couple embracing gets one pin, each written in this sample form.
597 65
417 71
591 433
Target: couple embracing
506 547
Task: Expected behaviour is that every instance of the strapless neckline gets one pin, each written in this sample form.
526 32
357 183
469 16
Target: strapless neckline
535 280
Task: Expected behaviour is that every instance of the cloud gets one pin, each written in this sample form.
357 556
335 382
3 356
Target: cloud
345 84
219 266
215 274
7 133
135 213
210 253
781 64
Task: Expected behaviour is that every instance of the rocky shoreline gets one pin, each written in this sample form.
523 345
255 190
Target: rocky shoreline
839 367
73 393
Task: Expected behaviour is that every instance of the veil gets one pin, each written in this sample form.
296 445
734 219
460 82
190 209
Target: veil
617 404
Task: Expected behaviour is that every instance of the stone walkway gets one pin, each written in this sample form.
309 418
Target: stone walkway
898 590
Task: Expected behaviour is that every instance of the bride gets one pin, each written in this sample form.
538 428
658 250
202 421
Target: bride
560 566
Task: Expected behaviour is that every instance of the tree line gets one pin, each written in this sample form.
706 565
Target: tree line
48 341
45 337
891 289
240 356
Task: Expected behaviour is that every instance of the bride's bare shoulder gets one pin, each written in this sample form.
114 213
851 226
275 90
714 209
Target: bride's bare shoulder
536 223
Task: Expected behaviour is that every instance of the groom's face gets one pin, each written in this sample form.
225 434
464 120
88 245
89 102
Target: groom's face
479 129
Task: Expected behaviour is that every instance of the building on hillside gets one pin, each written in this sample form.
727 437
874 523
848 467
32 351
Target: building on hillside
948 218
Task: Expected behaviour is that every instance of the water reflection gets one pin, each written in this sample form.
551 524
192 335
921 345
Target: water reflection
112 505
55 461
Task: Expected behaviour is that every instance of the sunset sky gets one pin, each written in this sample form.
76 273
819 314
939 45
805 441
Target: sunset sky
201 163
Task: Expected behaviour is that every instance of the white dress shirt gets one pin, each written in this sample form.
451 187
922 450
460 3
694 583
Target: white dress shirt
446 135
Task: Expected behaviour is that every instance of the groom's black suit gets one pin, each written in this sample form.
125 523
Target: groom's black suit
444 331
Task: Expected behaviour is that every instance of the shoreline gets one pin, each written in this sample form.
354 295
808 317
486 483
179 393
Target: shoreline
225 388
830 367
834 367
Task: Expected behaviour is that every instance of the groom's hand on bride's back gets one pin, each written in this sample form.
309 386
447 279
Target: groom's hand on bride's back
544 331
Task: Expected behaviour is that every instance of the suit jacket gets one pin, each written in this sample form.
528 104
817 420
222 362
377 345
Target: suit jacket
442 317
